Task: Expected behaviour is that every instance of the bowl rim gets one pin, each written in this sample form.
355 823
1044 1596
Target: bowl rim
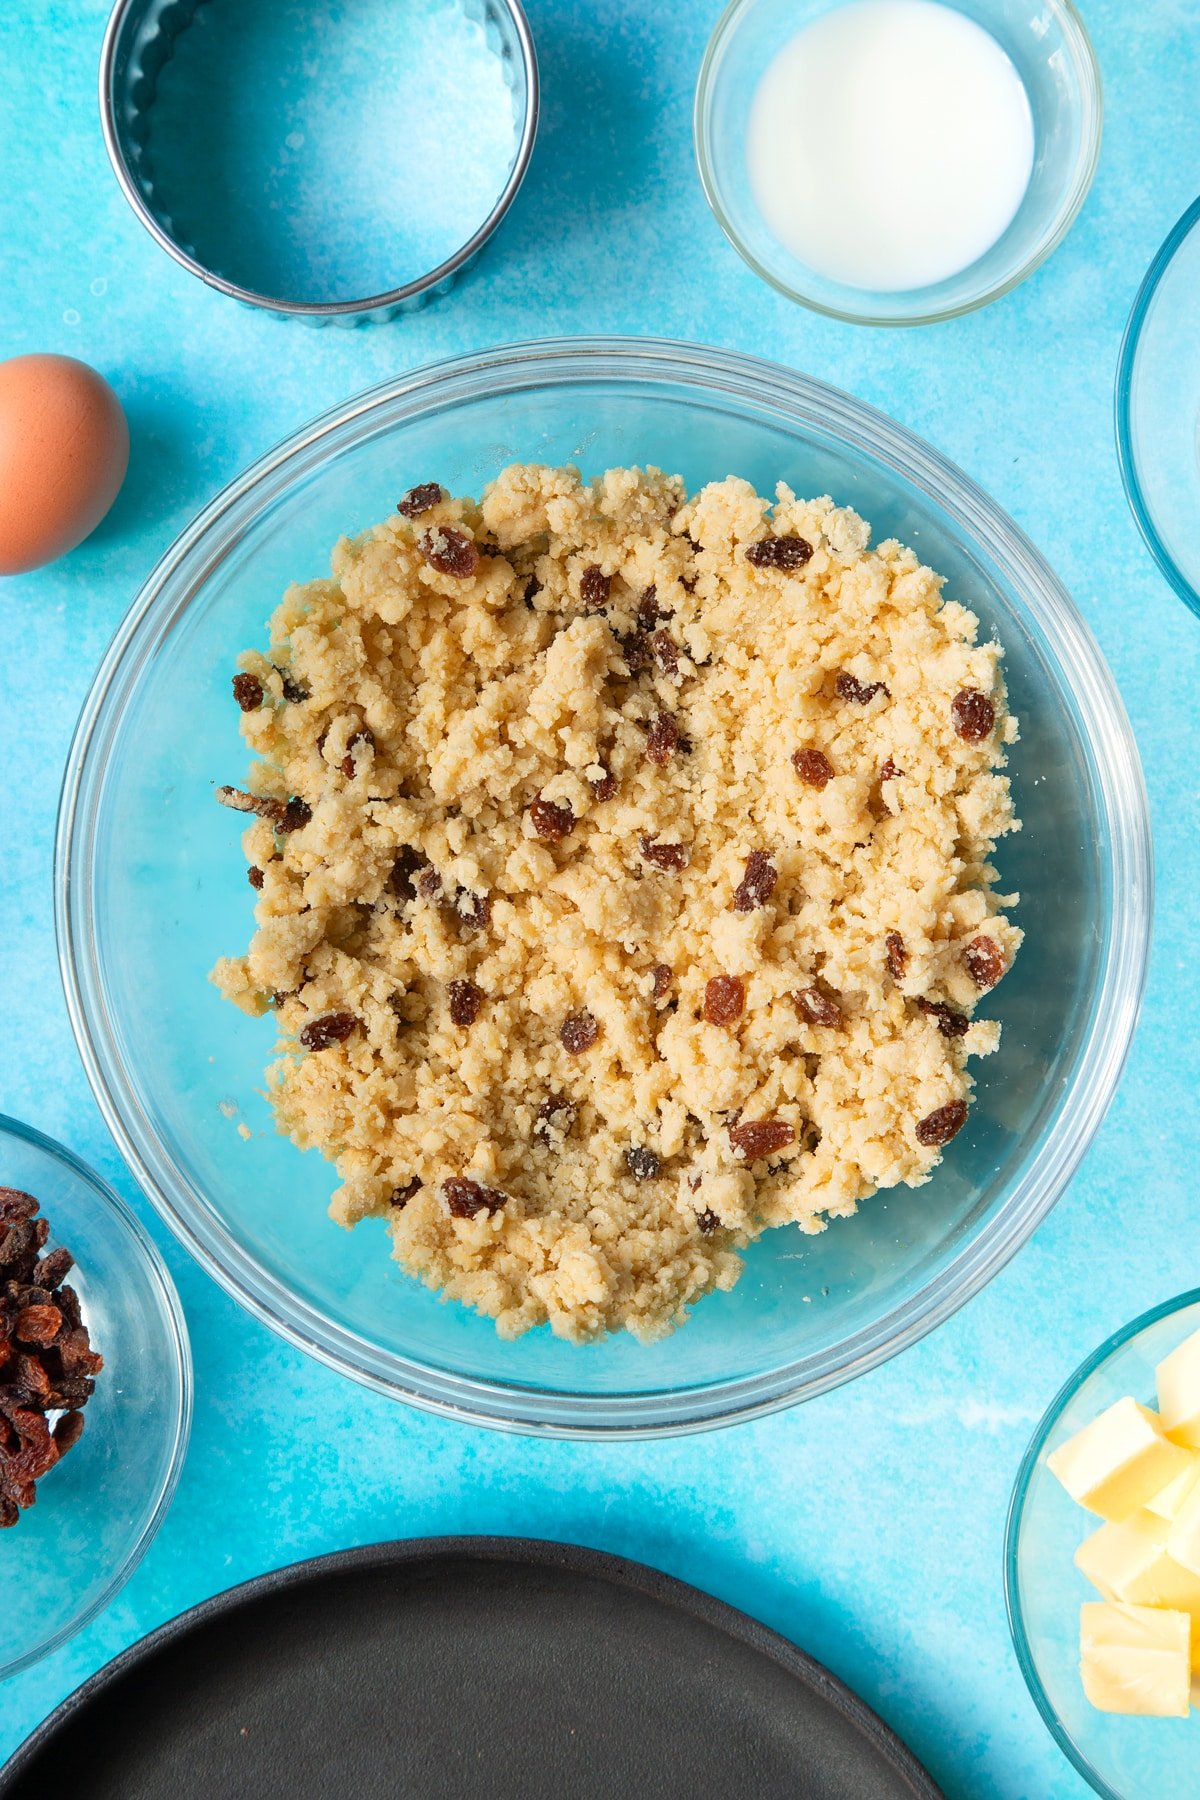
1016 1514
178 1341
875 311
1127 461
316 311
1123 816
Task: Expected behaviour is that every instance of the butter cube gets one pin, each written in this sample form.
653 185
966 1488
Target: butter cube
1130 1562
1178 1380
1119 1461
1168 1502
1135 1659
1183 1533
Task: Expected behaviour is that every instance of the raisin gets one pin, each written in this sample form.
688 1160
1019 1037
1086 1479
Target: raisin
985 961
605 787
19 1245
859 692
648 609
951 1024
724 998
550 820
30 1380
74 1390
779 553
557 1114
405 867
466 1198
293 691
663 738
37 1324
973 715
67 1301
757 884
817 1007
254 876
760 1138
465 1002
401 1195
635 649
642 1164
937 1128
330 1028
897 955
247 691
578 1033
889 771
53 1268
663 978
16 1205
665 652
475 910
708 1221
594 587
421 499
75 1350
295 815
429 884
664 856
813 767
365 736
68 1432
448 551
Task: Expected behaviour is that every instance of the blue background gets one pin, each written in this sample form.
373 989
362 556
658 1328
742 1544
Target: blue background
867 1525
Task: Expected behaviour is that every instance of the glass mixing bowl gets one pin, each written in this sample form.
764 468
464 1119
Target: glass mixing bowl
151 889
96 1511
1158 409
1050 49
1124 1758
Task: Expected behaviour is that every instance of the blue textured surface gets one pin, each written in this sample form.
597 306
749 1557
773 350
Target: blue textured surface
868 1525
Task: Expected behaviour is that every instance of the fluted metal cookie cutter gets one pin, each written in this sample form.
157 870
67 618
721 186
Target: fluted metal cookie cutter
139 41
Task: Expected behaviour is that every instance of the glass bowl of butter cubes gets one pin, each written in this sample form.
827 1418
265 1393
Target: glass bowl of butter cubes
1102 1564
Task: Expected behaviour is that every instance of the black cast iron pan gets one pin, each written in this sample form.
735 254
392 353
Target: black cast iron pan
464 1669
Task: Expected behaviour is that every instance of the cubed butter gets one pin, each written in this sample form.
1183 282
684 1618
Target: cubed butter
1135 1659
1178 1380
1119 1461
1183 1533
1167 1503
1130 1561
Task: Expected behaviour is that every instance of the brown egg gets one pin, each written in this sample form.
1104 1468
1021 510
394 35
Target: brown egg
64 449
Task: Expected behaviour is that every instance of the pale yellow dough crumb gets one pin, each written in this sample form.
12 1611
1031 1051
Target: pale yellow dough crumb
439 707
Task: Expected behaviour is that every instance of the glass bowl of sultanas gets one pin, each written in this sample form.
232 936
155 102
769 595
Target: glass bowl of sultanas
95 1394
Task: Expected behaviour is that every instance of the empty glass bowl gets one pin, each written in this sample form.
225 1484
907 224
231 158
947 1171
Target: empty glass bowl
98 1509
1158 409
1046 42
151 889
1123 1758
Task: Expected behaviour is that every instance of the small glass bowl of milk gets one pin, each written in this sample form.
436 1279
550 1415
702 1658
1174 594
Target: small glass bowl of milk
893 162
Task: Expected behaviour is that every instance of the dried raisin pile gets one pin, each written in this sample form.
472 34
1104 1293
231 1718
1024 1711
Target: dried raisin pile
47 1364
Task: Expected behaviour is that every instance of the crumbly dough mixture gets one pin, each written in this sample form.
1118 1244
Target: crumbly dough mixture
624 882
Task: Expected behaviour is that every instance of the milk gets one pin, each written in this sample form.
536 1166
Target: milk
889 143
